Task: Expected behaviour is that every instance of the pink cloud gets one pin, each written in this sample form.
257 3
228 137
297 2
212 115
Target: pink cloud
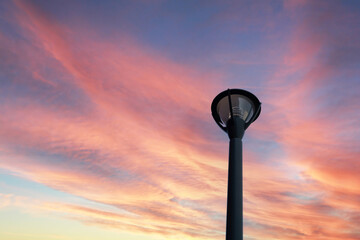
314 119
130 92
153 162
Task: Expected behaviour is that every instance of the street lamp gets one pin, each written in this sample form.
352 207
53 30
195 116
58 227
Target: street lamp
234 110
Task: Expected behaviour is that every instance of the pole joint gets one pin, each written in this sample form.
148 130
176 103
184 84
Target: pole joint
236 127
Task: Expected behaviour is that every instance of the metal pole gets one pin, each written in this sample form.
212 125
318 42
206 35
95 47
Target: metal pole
234 219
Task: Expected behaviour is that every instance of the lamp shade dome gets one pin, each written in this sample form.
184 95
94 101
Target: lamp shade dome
235 103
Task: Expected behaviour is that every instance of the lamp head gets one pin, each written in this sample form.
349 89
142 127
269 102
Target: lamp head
233 104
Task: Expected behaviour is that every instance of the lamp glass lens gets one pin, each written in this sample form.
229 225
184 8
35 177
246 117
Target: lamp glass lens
241 105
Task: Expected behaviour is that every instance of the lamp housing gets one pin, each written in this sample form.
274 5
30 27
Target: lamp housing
232 104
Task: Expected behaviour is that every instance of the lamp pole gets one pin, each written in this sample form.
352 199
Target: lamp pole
234 110
234 219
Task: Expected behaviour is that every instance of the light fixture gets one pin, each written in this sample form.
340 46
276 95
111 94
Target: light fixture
235 103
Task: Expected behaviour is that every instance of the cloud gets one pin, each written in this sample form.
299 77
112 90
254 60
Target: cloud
117 123
130 146
316 125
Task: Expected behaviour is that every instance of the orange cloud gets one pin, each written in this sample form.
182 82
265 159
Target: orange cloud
137 144
120 150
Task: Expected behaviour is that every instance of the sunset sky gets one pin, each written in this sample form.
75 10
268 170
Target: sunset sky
106 130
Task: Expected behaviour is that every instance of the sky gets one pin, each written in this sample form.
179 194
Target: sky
106 130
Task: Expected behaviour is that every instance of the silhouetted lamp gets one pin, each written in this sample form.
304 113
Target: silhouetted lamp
234 110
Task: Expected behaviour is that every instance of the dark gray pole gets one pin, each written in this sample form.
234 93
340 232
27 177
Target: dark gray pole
234 218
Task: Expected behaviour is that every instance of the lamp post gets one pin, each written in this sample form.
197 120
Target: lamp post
234 110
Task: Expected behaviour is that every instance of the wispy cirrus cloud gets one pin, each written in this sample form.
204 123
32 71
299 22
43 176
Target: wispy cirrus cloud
120 146
317 127
115 122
